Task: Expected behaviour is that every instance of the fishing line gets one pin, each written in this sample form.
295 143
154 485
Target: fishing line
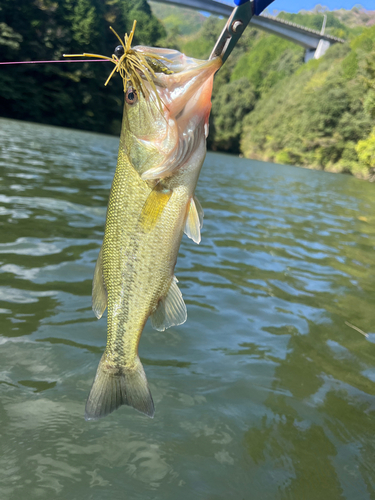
49 62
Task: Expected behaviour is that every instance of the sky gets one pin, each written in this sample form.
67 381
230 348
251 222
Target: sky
297 5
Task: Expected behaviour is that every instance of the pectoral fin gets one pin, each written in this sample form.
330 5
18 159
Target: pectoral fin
154 207
99 291
199 210
171 310
194 220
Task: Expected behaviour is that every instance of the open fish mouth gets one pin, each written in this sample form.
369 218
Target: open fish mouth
166 61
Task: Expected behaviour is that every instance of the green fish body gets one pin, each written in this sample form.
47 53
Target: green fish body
151 204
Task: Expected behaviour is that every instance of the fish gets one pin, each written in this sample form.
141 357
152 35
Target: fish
151 204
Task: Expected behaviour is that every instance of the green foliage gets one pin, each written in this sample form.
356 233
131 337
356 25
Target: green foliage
269 61
365 41
84 22
178 20
149 29
321 115
233 100
9 39
283 157
315 20
350 65
366 151
369 104
201 45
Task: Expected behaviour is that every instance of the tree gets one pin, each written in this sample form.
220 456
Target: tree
231 103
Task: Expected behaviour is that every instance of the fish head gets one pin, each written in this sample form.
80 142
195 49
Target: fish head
173 101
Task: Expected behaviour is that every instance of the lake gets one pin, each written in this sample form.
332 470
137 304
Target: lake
264 393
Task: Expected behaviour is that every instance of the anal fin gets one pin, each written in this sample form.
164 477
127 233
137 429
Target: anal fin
194 220
99 291
171 310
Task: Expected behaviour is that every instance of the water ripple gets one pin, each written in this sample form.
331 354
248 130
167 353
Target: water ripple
264 389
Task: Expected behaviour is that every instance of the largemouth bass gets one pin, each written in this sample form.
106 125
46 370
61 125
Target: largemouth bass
151 204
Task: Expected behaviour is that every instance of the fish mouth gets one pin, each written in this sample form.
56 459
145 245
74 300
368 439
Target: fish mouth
168 64
178 79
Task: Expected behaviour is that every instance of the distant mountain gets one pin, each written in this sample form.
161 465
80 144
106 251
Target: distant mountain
356 17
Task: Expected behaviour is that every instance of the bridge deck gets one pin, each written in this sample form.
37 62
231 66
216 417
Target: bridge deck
298 27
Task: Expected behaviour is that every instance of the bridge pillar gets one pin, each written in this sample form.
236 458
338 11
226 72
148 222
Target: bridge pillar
321 49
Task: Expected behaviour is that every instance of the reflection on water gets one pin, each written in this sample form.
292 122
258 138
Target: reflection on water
264 393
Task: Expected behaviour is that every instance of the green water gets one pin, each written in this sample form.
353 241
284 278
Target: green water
264 393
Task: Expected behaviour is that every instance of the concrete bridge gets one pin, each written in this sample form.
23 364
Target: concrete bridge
314 42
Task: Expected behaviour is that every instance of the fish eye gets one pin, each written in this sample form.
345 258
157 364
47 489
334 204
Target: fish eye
131 96
119 51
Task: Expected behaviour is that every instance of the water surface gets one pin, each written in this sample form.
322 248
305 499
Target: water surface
264 393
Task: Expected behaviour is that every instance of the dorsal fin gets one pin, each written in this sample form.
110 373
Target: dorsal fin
171 310
99 291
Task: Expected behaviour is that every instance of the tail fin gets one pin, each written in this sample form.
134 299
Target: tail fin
120 386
